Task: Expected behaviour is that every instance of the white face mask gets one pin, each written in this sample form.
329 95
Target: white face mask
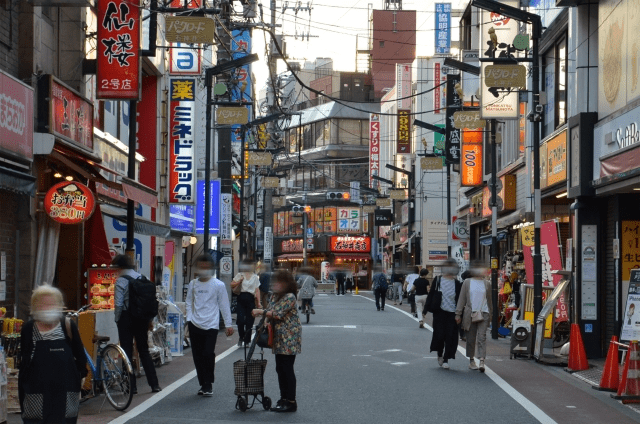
48 317
204 273
450 270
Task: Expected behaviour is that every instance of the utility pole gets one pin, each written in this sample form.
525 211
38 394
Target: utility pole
494 231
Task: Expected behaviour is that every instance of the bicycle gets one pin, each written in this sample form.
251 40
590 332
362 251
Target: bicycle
111 373
306 308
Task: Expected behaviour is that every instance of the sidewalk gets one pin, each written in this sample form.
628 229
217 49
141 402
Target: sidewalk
552 389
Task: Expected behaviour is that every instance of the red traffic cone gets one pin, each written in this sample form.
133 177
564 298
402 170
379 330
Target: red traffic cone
610 375
577 354
623 380
631 392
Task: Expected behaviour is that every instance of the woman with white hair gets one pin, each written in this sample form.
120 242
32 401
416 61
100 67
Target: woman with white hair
52 362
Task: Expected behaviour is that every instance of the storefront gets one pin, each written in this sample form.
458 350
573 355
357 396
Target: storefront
353 256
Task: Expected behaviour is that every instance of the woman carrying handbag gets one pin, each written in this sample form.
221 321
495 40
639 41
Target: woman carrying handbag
474 312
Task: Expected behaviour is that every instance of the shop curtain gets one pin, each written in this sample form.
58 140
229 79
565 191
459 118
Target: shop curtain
47 250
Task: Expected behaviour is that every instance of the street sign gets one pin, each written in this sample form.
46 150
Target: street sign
309 231
431 164
397 194
355 191
279 201
226 266
468 119
232 115
368 209
505 76
309 240
187 29
270 182
384 202
260 158
309 245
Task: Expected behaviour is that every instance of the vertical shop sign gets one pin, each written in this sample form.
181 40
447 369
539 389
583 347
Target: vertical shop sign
452 134
443 28
118 45
403 84
225 220
374 149
471 161
630 248
240 91
437 93
268 244
16 119
182 167
404 133
214 210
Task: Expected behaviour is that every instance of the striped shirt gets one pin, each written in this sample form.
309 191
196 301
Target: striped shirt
448 289
55 334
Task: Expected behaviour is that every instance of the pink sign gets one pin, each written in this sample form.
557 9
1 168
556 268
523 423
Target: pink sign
374 148
436 93
551 261
16 117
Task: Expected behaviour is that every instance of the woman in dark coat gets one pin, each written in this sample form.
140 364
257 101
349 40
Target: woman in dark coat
445 329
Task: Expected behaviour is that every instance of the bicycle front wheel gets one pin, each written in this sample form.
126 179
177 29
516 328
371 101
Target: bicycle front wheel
116 372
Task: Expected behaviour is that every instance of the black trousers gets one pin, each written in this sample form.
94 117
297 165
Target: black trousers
286 376
445 334
244 319
380 294
340 287
129 329
203 346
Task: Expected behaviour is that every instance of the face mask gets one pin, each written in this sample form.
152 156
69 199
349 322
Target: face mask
204 273
450 270
49 316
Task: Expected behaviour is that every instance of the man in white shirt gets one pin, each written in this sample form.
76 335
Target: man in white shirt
206 298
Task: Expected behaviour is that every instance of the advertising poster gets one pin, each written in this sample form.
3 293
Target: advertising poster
330 220
631 318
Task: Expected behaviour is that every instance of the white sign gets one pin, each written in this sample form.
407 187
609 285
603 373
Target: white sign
355 191
3 266
226 266
268 244
227 207
460 229
184 60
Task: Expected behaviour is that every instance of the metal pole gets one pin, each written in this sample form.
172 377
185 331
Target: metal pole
304 238
449 224
537 257
243 245
207 161
494 231
131 174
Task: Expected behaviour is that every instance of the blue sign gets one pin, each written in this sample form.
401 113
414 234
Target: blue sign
214 216
443 28
588 328
181 218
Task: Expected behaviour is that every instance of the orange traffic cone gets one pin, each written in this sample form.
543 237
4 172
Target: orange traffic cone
623 380
610 375
577 354
631 392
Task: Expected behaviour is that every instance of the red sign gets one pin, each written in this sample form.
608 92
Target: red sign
350 244
102 284
182 124
292 245
191 4
118 72
70 115
404 132
16 117
471 158
436 83
69 202
374 148
551 261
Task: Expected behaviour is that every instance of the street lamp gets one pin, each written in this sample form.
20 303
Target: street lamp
535 118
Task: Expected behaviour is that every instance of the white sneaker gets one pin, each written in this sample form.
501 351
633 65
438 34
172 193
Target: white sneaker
445 366
482 365
472 365
440 360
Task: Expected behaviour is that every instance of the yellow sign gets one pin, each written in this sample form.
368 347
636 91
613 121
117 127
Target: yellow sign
368 209
505 76
184 29
557 159
494 263
232 115
431 164
630 248
384 202
526 233
260 158
397 195
278 201
468 119
270 182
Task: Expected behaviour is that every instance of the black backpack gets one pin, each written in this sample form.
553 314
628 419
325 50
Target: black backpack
143 303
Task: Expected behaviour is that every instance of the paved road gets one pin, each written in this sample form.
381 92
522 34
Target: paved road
358 366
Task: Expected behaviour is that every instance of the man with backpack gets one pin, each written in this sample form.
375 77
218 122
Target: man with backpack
379 287
135 306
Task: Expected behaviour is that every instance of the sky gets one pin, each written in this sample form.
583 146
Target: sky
333 26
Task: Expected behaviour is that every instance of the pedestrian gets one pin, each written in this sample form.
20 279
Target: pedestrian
307 287
421 289
474 312
408 288
52 362
206 299
248 284
130 327
466 274
379 286
445 330
265 278
349 284
287 340
340 279
397 277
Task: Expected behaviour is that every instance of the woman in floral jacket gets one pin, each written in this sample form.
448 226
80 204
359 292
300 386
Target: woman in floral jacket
283 313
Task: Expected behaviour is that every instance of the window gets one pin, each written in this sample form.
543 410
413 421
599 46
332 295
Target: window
381 44
307 137
554 64
293 140
319 133
349 132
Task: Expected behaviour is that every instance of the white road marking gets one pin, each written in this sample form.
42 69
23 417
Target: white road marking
399 363
321 294
572 407
360 355
529 406
165 392
392 350
350 326
329 326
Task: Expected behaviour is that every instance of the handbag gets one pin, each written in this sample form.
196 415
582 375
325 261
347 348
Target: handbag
265 339
434 299
476 316
237 289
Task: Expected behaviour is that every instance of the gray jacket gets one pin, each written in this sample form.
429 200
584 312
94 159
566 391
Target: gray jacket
463 308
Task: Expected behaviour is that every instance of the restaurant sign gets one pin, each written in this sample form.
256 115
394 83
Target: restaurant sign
16 117
69 202
350 244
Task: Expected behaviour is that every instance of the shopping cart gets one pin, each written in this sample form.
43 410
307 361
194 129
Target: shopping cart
249 376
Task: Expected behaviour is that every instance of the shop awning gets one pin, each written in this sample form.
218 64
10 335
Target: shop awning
513 218
16 181
139 193
141 225
290 257
354 256
485 240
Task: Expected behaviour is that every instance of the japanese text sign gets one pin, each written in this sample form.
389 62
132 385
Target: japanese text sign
471 162
404 133
374 149
630 248
184 60
452 134
69 202
187 29
16 117
102 284
348 220
292 245
182 172
350 244
443 28
437 90
557 159
118 45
